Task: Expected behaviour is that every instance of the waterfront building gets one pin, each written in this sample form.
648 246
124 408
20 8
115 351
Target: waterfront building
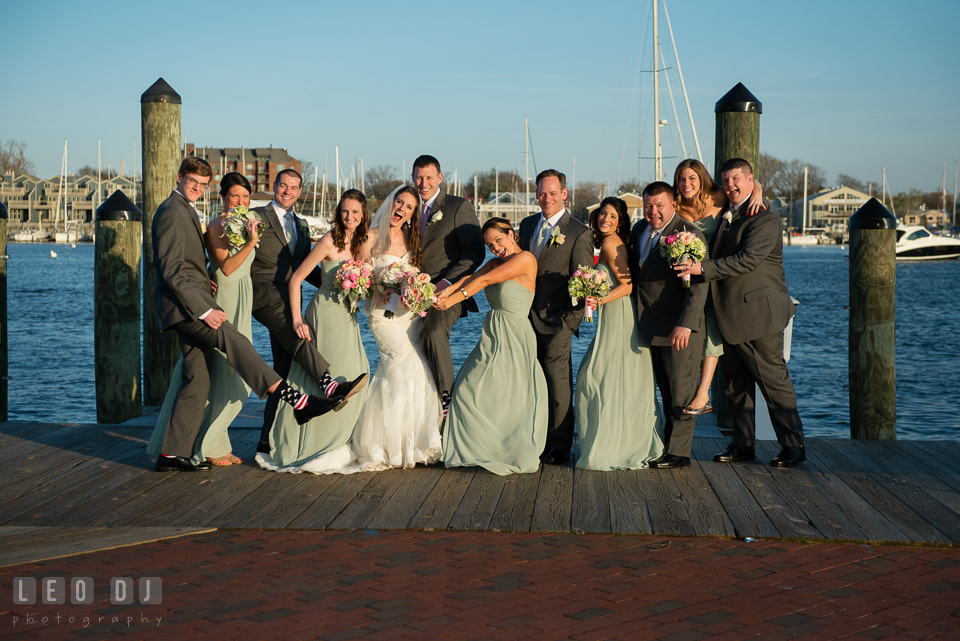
634 206
509 205
259 164
827 211
931 219
32 202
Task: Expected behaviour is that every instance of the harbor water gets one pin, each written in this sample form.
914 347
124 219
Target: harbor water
51 364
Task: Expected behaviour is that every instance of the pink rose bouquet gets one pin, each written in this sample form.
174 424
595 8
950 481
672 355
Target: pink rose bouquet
585 282
683 246
353 282
417 294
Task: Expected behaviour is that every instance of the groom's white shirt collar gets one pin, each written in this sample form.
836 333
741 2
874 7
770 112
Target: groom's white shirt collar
650 231
282 217
429 203
549 222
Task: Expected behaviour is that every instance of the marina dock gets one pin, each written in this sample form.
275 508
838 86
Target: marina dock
76 488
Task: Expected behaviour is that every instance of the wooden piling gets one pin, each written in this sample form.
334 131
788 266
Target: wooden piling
116 311
4 375
160 126
737 136
872 349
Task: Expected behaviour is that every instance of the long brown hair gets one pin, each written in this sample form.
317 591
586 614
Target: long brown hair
623 223
339 233
416 252
707 185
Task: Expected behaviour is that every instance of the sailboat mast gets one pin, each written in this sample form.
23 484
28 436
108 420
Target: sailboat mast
696 141
658 161
526 164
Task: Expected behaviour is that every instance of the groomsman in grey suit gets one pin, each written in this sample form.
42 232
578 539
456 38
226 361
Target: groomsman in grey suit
284 244
185 304
561 244
749 289
452 248
670 319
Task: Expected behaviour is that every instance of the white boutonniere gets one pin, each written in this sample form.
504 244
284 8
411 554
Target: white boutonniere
728 216
437 217
556 238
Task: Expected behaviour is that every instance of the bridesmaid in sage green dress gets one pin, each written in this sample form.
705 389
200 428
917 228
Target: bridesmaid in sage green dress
321 444
700 202
619 425
498 416
234 295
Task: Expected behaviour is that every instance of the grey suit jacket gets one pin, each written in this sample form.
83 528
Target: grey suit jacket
180 263
274 263
663 303
453 245
746 278
552 309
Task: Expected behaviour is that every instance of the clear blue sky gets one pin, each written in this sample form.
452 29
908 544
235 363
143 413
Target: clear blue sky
849 86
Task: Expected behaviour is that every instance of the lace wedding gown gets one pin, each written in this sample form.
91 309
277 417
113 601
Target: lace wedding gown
400 423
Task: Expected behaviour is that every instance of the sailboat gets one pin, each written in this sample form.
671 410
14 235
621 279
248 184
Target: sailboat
62 235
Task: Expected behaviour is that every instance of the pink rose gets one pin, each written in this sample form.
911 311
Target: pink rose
423 278
348 285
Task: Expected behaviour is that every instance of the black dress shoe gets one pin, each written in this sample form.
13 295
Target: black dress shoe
348 389
264 448
317 406
180 464
554 456
735 453
669 462
789 457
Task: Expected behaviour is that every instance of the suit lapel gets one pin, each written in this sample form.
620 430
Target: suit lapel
273 216
193 214
437 205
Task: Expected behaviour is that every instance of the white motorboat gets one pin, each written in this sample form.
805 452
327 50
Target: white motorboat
916 243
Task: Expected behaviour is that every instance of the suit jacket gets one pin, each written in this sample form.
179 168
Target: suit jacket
552 309
746 278
180 263
274 263
663 303
453 245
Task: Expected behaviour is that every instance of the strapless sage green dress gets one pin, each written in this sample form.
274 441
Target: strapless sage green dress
713 345
619 425
498 417
337 333
228 392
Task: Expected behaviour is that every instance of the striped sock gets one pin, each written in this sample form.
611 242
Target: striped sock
328 384
445 404
292 396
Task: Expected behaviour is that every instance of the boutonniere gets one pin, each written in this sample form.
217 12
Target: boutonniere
437 217
303 226
556 238
728 216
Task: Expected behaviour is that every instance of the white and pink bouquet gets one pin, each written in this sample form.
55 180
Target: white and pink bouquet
353 282
683 246
390 280
417 294
586 282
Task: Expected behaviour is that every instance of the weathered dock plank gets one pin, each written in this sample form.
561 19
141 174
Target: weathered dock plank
628 504
514 511
553 508
478 503
704 510
591 507
334 500
398 512
358 513
441 502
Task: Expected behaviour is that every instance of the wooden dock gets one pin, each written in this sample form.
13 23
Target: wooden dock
89 480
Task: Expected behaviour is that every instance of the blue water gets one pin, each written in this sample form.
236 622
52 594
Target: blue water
50 312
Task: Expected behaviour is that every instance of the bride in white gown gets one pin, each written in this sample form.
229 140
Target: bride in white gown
400 424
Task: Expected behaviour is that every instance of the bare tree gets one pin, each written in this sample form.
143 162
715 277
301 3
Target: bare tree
381 180
106 173
630 187
784 179
13 158
487 183
853 183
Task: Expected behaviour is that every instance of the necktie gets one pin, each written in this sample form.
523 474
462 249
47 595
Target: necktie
647 245
424 218
541 239
291 230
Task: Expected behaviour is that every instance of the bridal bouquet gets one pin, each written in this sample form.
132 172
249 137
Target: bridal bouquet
353 282
585 282
682 246
417 294
391 280
235 226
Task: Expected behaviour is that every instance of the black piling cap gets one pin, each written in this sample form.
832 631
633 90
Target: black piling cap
118 207
872 215
3 211
738 99
160 91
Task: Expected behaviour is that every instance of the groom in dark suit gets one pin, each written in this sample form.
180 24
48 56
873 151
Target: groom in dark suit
670 319
452 248
561 244
284 244
185 304
749 289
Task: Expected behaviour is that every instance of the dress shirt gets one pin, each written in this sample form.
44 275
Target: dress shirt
650 231
550 223
282 217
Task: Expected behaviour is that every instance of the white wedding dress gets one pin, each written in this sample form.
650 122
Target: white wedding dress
400 424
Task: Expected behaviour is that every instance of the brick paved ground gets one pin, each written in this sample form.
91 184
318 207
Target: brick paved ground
422 585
